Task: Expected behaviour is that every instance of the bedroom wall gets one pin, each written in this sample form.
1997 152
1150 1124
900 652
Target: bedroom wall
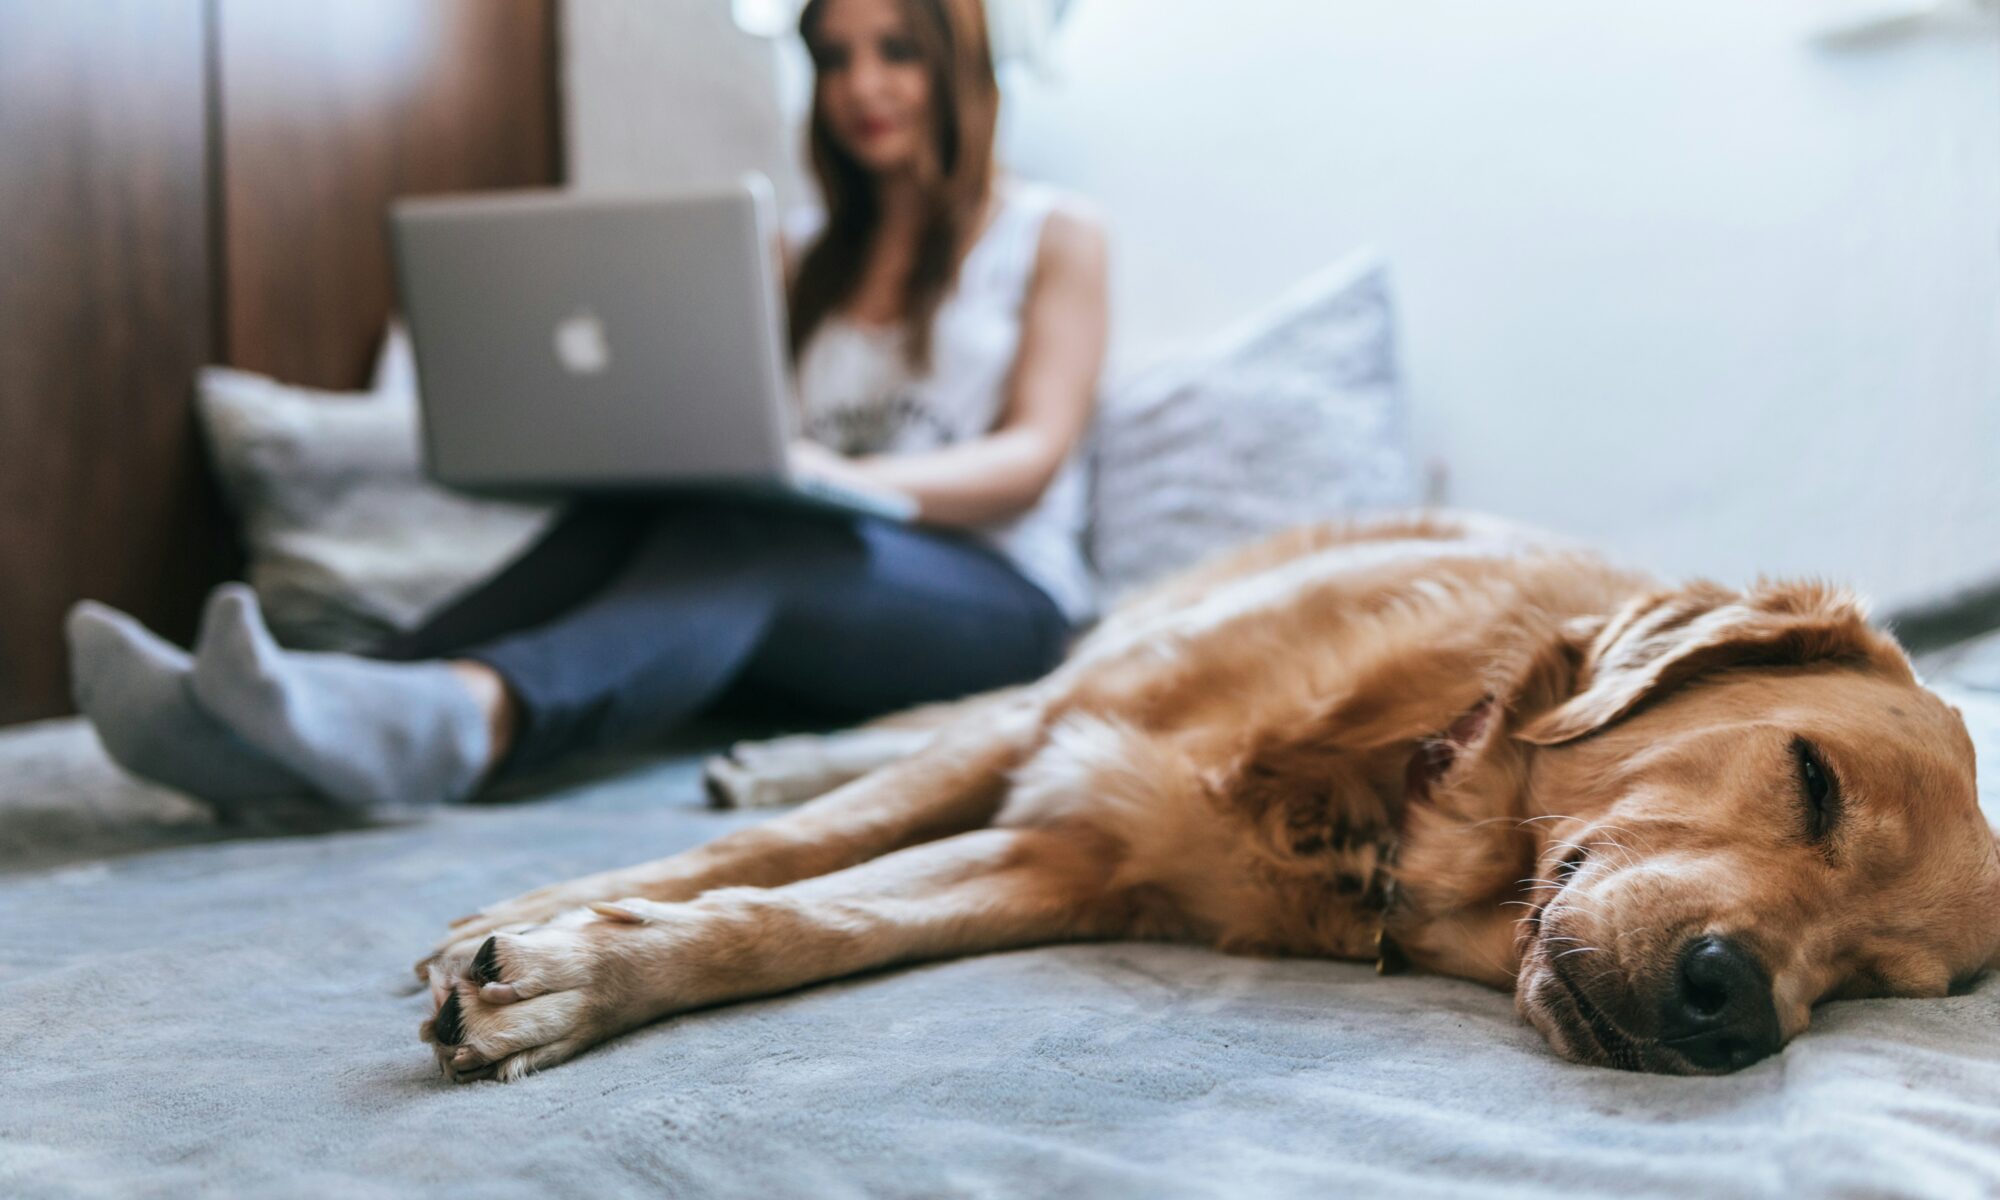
668 93
1673 277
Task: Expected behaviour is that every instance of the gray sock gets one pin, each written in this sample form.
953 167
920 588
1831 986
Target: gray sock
375 734
135 688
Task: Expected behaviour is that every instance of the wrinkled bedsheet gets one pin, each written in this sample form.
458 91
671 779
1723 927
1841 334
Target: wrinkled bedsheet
186 1013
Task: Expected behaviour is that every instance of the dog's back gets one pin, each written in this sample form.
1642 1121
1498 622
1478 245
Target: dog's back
1244 733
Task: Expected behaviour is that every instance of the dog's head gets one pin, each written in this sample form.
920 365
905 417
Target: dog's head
1753 806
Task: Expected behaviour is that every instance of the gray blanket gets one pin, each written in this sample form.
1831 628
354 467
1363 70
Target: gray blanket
237 1017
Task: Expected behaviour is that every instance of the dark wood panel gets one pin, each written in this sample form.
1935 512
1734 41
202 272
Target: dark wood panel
184 181
104 316
330 109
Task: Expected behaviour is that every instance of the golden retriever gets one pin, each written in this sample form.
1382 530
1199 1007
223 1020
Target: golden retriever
1670 820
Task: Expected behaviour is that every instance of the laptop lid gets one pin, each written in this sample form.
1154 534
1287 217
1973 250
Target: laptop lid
569 341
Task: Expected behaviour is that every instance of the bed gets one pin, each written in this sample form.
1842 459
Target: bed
186 1009
192 1009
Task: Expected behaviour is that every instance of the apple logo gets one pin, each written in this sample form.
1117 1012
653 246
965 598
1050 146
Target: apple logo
580 344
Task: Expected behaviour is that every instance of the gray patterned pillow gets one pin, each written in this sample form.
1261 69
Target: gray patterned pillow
348 541
1295 416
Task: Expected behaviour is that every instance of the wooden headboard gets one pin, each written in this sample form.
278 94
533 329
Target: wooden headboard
192 181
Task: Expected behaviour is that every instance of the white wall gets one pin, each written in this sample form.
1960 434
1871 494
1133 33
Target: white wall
670 93
1673 278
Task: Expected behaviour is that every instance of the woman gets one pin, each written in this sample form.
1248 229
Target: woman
948 328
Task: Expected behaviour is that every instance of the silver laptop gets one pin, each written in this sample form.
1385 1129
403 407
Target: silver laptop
576 343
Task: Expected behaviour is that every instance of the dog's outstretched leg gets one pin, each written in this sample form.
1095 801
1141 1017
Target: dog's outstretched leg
955 783
784 771
524 1000
787 770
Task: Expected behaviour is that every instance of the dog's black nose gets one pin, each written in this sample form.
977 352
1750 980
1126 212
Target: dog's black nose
1718 1010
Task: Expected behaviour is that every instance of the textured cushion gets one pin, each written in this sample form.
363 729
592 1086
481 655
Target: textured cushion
348 542
1295 416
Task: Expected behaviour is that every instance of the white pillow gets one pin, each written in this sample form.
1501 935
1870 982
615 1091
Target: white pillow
348 542
1294 416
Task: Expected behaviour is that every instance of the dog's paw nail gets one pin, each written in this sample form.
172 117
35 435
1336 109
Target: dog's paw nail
498 993
467 1074
616 912
486 963
450 1024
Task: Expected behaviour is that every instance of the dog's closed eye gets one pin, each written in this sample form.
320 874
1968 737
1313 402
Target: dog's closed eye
1819 789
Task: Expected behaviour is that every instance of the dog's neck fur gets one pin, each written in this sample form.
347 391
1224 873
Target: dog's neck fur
1405 825
1465 861
1470 841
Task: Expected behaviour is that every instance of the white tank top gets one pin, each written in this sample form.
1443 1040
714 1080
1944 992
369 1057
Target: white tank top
858 395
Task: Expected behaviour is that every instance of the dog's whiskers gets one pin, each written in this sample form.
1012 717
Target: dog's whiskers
1646 843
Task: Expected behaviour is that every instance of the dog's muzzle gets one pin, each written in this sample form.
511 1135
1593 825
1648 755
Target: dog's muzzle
1717 1009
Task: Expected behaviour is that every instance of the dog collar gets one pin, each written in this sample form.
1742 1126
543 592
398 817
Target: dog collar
1389 957
1385 895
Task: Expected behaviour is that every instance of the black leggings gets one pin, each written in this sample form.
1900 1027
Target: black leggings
628 618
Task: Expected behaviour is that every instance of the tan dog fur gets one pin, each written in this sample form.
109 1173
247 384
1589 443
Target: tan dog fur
1222 759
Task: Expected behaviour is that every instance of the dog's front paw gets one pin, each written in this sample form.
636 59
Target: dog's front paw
522 912
550 902
532 996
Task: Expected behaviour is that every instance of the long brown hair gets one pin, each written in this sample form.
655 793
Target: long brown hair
950 37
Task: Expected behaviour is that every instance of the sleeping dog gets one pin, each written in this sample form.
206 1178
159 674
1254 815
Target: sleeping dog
1669 820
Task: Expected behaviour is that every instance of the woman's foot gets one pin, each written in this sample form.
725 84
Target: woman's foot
368 733
136 689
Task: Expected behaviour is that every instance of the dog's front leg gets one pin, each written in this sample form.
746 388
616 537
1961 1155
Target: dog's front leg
956 783
525 1000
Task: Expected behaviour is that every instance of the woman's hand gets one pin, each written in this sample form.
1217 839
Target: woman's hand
810 460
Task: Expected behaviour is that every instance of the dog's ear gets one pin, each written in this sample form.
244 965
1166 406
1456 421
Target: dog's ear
1665 638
